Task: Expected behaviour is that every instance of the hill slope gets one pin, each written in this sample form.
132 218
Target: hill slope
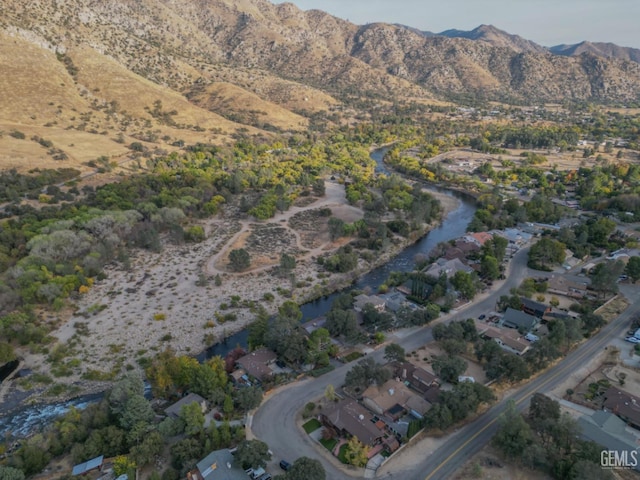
608 50
200 70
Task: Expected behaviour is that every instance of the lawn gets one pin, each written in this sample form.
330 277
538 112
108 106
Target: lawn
329 444
342 453
312 425
353 356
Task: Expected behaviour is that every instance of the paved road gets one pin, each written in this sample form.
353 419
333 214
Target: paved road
274 422
453 454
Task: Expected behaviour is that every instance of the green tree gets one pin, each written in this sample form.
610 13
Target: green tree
394 352
123 465
330 393
465 284
239 259
31 458
287 263
633 268
10 473
305 468
356 453
449 368
248 398
6 353
336 228
252 454
546 253
514 436
366 372
192 417
137 410
604 277
489 267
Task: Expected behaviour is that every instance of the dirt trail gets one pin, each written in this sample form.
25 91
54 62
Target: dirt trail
335 196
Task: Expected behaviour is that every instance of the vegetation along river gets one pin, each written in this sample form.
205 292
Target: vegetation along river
454 225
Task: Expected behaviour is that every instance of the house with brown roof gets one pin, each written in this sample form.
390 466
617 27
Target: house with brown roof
258 363
509 340
560 285
350 418
393 399
417 377
623 404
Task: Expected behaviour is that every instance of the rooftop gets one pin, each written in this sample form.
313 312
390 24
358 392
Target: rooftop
350 416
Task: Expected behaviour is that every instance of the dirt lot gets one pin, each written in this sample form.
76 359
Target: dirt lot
488 465
425 354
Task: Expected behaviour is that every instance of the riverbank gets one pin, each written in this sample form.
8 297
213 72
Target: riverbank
161 303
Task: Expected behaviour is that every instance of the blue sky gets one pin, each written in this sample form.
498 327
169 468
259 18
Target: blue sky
547 22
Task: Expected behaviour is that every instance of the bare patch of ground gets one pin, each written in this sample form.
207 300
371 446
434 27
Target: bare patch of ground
424 357
488 465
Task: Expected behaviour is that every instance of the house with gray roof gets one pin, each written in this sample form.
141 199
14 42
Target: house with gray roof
448 267
519 320
175 409
610 432
218 465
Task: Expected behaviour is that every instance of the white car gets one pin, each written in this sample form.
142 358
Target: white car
632 339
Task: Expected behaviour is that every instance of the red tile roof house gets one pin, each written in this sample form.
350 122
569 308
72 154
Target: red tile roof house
350 418
257 363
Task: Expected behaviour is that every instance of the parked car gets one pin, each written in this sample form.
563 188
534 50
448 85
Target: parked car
482 317
632 339
285 465
266 476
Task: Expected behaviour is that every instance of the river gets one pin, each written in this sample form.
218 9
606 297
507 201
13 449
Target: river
452 226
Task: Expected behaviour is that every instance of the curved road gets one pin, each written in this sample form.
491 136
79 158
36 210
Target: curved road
275 421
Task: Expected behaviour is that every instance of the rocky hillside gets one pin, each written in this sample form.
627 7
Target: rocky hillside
496 38
181 66
607 50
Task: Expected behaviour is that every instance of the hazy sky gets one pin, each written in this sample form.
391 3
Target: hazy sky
547 22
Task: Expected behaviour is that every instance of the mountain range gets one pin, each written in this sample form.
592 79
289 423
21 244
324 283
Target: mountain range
173 69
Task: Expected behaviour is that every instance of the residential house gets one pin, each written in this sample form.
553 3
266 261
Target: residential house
88 466
448 267
509 340
218 465
361 300
393 301
175 409
519 320
348 417
258 363
555 314
478 238
608 431
515 236
623 404
560 285
393 399
416 377
534 308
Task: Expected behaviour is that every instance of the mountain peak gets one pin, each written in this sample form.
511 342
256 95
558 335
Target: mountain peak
496 38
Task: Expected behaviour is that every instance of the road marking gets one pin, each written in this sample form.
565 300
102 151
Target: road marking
561 371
